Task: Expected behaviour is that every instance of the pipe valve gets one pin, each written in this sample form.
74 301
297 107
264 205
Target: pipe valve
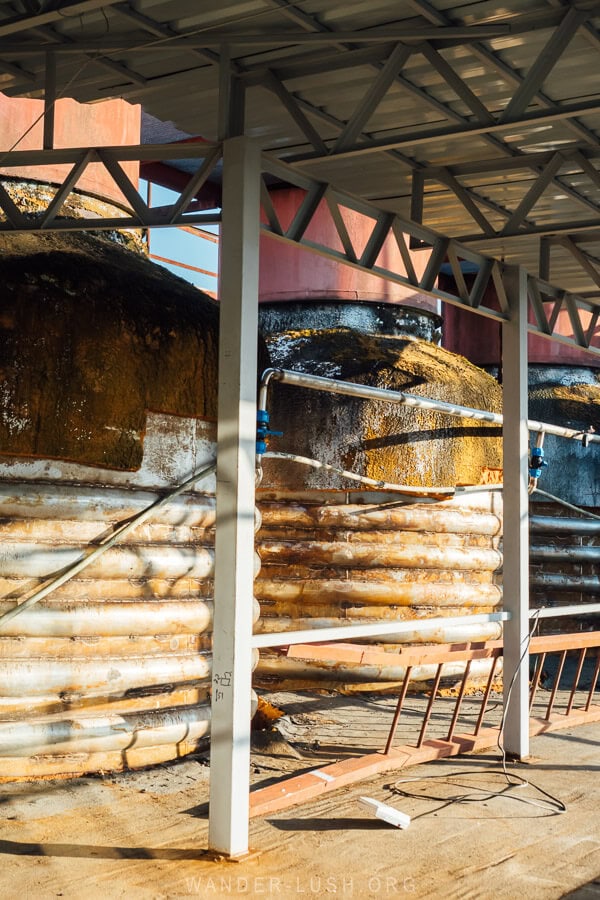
537 463
263 431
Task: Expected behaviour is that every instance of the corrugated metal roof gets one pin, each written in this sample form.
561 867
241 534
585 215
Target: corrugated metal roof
443 107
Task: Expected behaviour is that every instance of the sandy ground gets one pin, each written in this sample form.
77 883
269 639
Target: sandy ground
144 835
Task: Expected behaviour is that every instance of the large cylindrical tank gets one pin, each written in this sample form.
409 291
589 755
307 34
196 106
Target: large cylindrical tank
564 389
333 551
288 272
107 124
108 396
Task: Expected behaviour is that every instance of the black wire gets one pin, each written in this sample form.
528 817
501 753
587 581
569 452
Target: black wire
550 803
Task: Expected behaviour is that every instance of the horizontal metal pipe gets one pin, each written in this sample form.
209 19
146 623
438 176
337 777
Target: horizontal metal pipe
123 618
444 519
576 584
100 590
418 633
135 702
581 609
366 392
106 503
561 525
410 493
93 733
558 554
375 592
19 560
378 555
102 646
357 631
55 531
99 677
22 560
286 667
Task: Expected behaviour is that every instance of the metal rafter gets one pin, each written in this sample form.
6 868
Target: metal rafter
159 31
217 38
466 197
545 62
534 193
582 258
577 226
139 215
19 24
458 85
491 58
289 101
542 296
58 41
373 97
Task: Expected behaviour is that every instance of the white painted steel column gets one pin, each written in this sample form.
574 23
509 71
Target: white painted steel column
234 547
516 516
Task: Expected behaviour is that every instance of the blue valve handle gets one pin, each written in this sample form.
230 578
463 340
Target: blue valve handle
263 431
537 463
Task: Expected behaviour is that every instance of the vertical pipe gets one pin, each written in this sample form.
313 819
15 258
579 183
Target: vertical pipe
576 680
427 716
49 100
486 696
396 719
536 679
459 700
234 543
557 678
594 681
515 439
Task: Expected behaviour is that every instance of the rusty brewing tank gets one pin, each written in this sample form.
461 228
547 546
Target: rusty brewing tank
289 272
333 553
107 397
564 388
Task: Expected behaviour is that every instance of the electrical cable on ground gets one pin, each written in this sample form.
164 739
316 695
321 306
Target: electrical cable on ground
549 802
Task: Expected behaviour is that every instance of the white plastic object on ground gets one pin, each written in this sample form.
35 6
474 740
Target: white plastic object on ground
386 813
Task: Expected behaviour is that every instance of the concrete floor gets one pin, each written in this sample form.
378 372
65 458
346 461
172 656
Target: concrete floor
144 834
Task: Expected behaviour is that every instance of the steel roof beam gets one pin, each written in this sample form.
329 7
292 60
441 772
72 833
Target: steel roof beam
58 40
466 200
581 257
160 31
427 136
374 95
289 101
19 24
460 87
577 156
534 193
545 62
217 38
571 228
542 295
491 58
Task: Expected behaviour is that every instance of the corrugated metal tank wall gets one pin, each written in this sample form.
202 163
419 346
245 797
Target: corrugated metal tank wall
564 388
332 554
112 670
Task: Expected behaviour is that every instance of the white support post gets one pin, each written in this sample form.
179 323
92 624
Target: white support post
516 516
234 546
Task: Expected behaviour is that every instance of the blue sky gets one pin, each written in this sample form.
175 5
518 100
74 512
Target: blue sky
182 246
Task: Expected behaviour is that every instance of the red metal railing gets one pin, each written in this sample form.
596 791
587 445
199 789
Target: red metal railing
576 708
